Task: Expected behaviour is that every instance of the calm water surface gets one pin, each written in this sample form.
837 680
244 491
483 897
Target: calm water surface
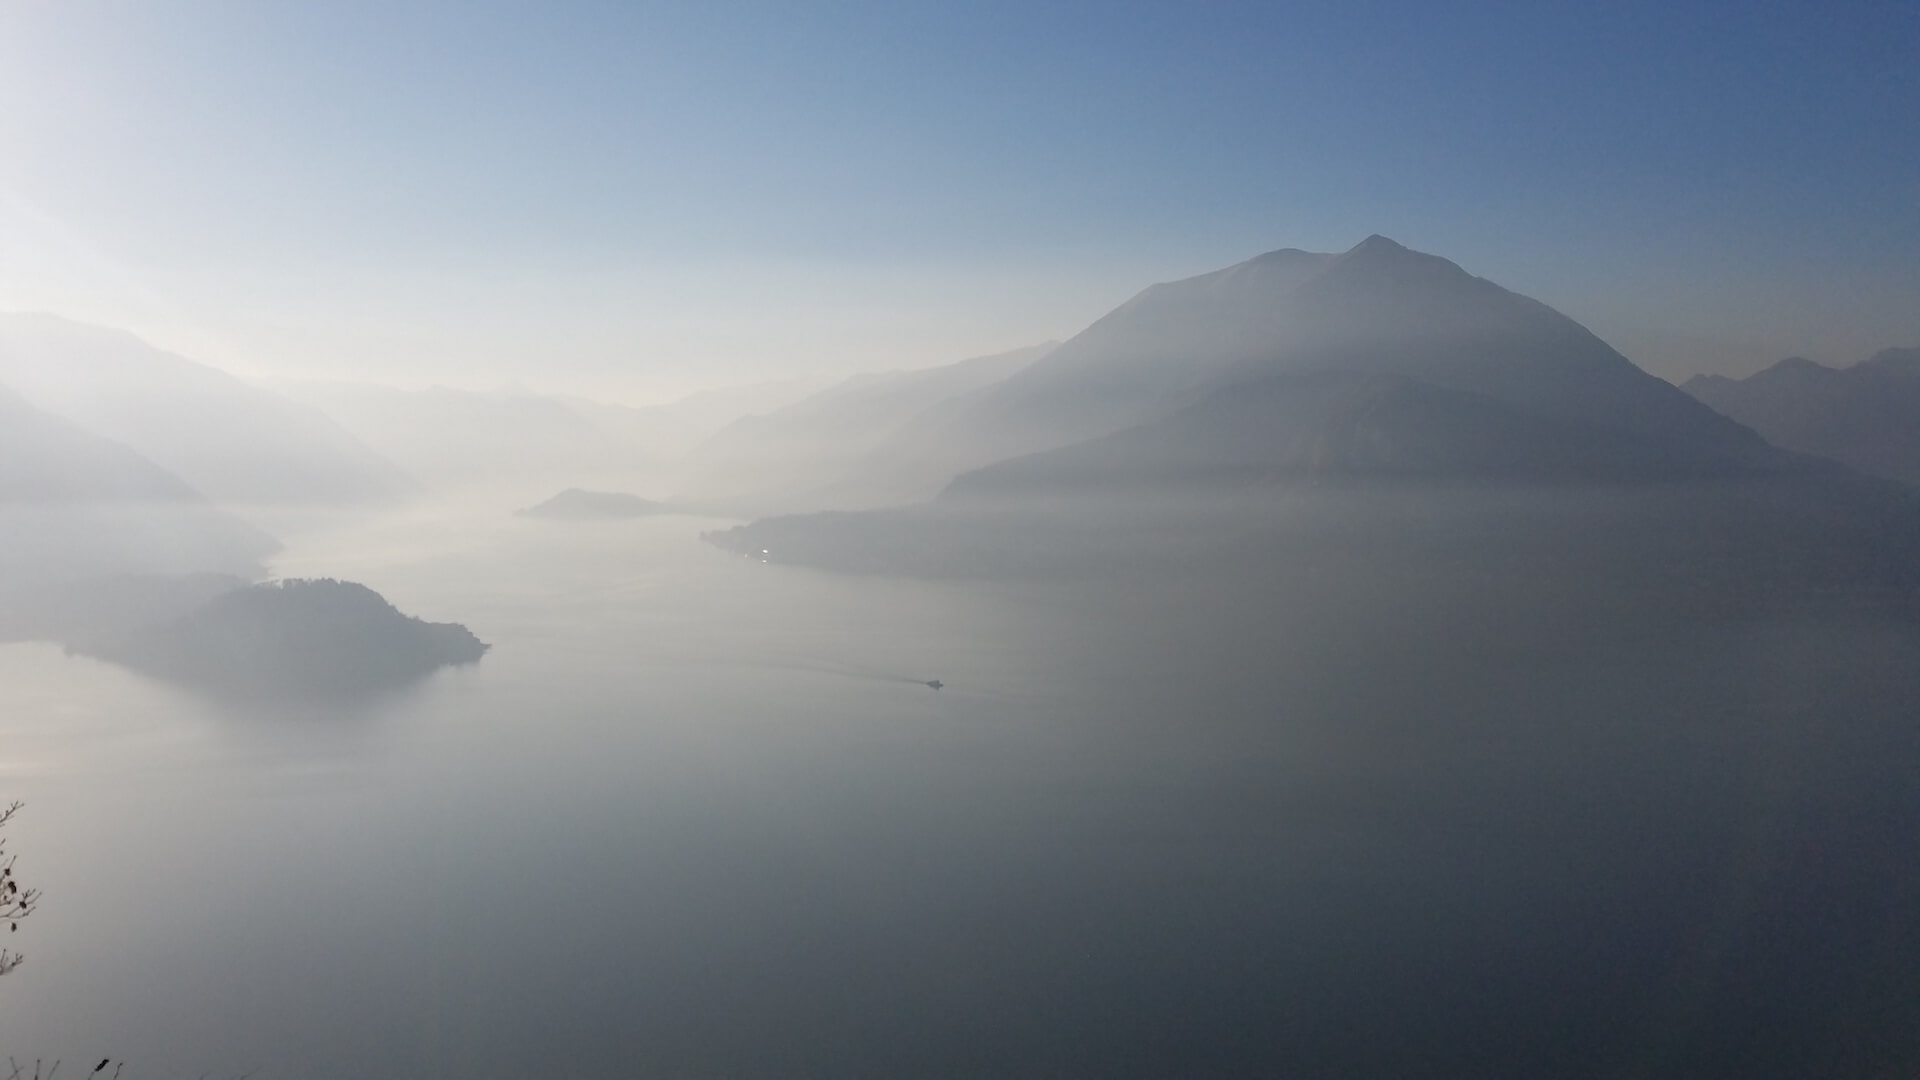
694 816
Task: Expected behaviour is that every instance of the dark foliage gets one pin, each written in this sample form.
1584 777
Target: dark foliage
300 637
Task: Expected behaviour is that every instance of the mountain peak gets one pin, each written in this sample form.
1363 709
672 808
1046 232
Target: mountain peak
1377 253
1864 416
1377 244
1796 371
1287 255
1378 259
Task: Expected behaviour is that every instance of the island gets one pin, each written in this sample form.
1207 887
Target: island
296 637
576 504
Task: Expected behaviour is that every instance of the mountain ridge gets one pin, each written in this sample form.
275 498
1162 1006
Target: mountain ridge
1378 307
1866 416
1405 413
815 452
74 504
232 441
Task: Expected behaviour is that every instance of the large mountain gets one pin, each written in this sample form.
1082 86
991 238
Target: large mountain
1371 409
1378 309
813 453
1867 415
1336 427
233 442
75 505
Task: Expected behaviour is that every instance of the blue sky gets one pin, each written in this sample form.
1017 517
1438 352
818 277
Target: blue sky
635 195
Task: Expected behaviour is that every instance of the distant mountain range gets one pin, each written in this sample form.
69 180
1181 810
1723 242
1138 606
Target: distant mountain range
1395 324
820 452
1867 415
1379 361
1381 369
231 441
1340 427
1374 321
575 504
46 459
74 505
451 437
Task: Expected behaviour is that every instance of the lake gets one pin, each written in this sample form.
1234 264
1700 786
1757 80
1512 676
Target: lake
696 815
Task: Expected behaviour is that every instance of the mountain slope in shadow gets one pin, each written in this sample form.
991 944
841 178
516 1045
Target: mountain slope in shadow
1377 308
818 453
459 438
576 504
1342 427
1866 416
75 505
232 441
1378 407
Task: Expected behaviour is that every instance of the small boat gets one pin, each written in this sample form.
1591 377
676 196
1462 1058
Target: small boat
935 683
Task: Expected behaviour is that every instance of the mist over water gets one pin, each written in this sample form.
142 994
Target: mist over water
738 541
690 817
1330 665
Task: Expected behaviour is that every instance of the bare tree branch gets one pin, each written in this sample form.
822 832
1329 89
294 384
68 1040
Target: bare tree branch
16 903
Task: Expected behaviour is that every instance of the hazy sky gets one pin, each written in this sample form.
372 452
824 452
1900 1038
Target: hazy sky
654 194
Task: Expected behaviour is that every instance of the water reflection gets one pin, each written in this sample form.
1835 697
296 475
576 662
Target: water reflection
678 824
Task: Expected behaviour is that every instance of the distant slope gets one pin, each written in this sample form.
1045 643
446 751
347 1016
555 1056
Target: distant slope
234 442
1339 427
45 459
1867 416
451 437
670 430
75 505
1380 411
807 453
575 504
1378 308
447 436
